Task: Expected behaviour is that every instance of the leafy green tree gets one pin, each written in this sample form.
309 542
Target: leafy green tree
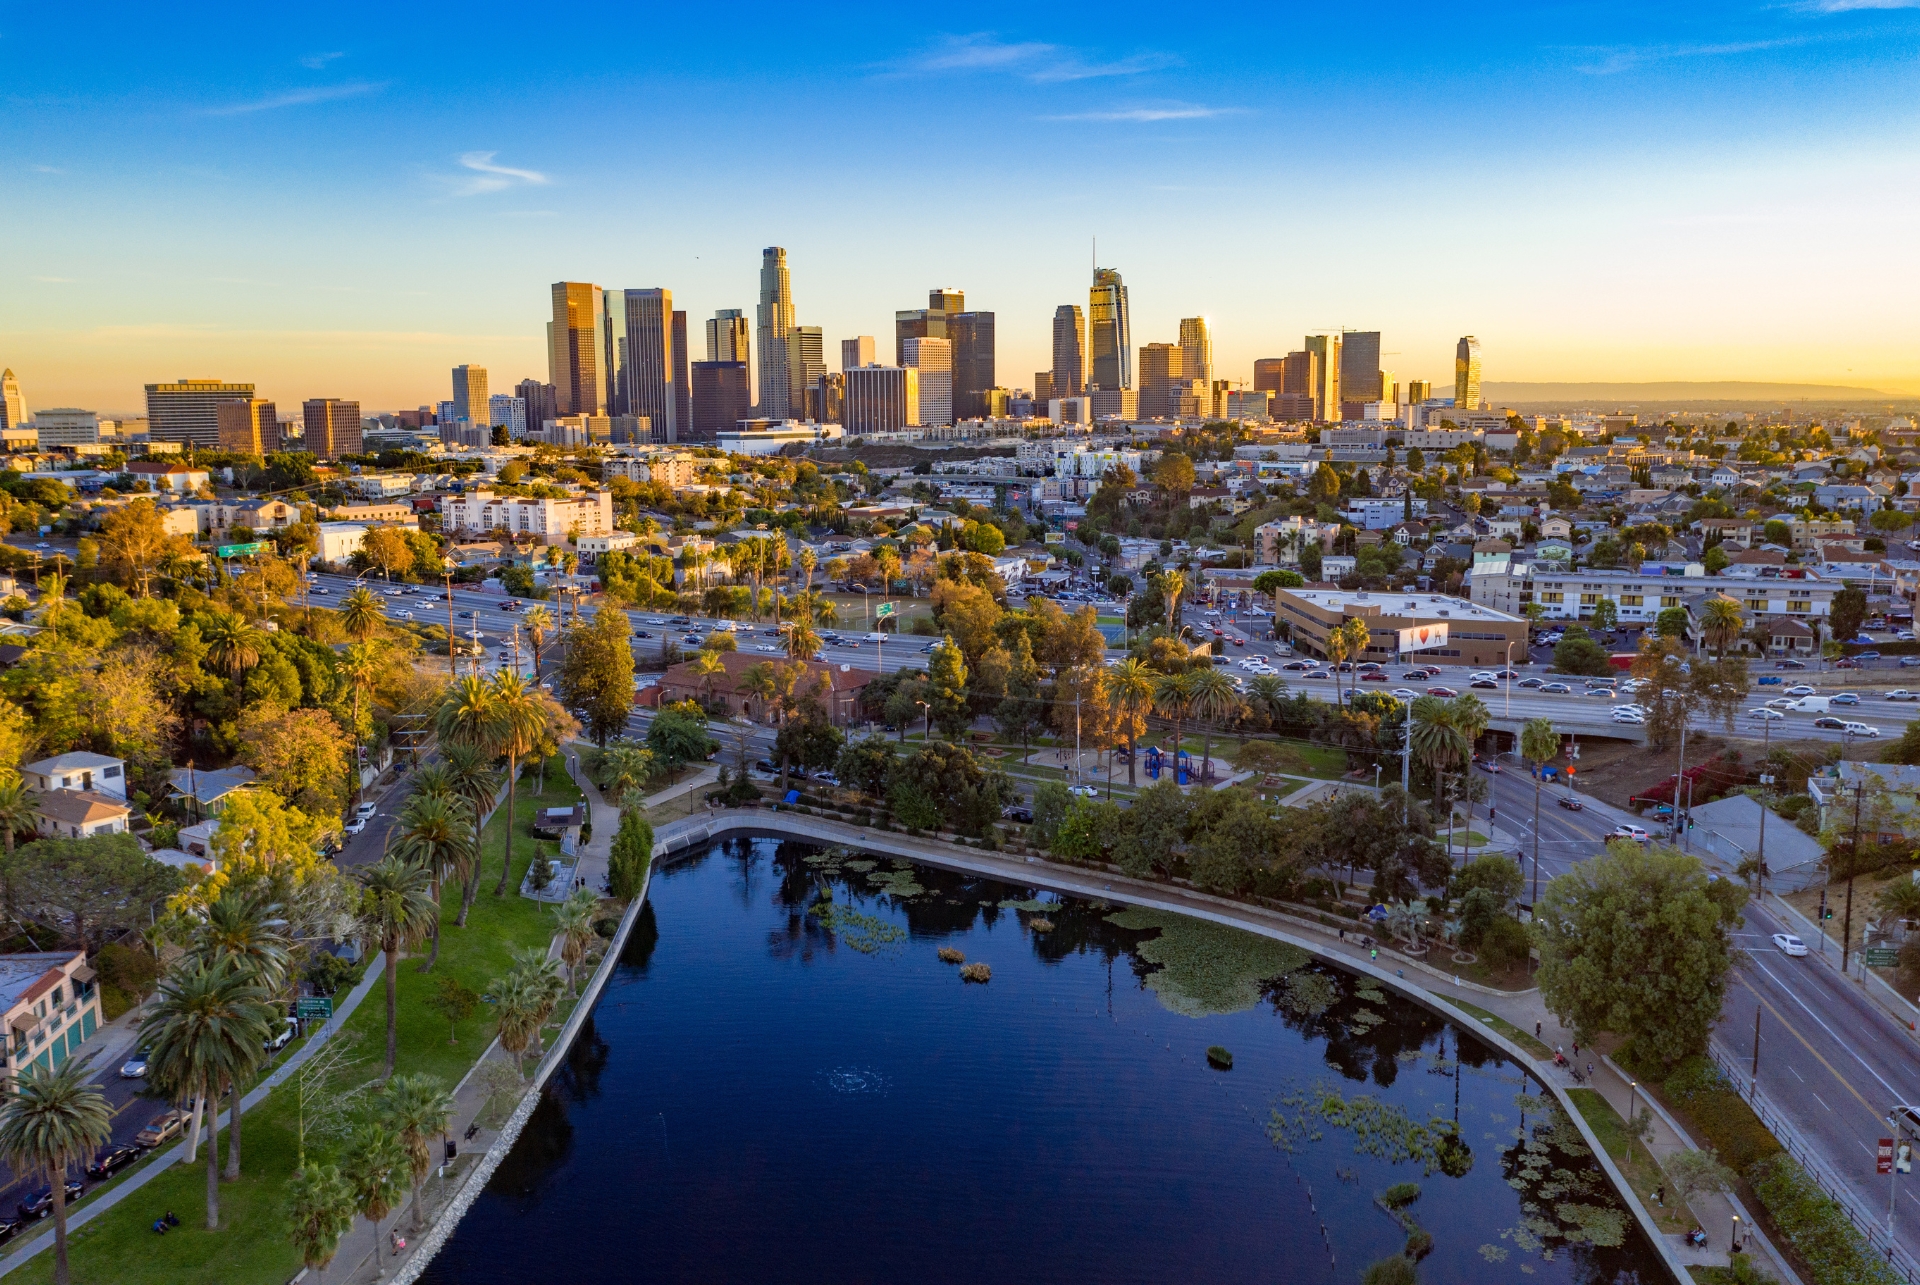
948 783
1051 803
1578 653
1671 623
87 890
808 740
1849 609
1605 614
632 851
597 675
1232 837
983 538
1715 560
1155 831
1638 943
947 679
1777 532
679 735
50 1124
455 1001
1267 581
866 765
1091 830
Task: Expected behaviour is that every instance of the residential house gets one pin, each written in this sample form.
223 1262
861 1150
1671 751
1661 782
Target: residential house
1890 799
836 686
79 814
1730 530
51 1004
175 477
78 770
206 793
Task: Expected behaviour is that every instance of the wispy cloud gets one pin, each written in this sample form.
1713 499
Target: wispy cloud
529 214
54 280
1147 115
1849 6
299 98
47 169
1032 60
488 177
318 61
1611 60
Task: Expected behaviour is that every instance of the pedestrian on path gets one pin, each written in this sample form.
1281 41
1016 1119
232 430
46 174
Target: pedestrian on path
1536 1030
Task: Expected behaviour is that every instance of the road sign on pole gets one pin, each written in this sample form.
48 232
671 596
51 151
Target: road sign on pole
1882 956
1883 1158
882 611
309 1007
240 550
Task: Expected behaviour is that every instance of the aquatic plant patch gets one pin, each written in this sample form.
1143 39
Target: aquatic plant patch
1207 968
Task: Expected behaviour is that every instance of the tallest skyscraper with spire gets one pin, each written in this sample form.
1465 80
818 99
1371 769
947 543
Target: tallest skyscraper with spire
775 321
1109 336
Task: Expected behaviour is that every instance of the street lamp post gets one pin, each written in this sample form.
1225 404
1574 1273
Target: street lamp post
929 732
446 570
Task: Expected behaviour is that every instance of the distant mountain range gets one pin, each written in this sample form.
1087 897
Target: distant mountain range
1664 392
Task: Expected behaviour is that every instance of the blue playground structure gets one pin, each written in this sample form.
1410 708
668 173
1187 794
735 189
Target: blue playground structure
1157 760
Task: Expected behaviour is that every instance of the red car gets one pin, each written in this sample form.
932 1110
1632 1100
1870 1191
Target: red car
1373 676
1239 642
1441 691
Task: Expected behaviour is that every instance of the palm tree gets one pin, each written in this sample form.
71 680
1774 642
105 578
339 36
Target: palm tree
376 1167
519 727
320 1211
360 666
203 1032
437 831
397 907
1173 698
1171 585
54 595
415 1108
363 613
1358 637
53 1121
708 666
477 782
16 810
516 1007
887 558
248 933
762 684
538 622
1130 689
622 766
575 928
1268 691
233 645
1470 714
808 561
802 642
1720 623
1538 743
435 780
1213 699
1439 744
1336 653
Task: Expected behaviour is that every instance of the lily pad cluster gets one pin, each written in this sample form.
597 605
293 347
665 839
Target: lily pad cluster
1207 968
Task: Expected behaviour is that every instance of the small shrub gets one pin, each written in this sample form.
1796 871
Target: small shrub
1697 1087
1396 1270
951 955
1419 1243
975 972
1400 1195
1040 924
1219 1056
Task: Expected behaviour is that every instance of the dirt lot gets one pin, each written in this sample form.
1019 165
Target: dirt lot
1614 771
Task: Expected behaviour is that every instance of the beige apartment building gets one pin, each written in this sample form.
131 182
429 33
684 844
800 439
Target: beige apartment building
1404 626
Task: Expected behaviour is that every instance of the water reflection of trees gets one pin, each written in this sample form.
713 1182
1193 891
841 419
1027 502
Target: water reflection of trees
577 1078
638 951
541 1149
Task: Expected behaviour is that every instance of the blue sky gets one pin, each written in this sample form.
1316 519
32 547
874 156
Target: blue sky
346 200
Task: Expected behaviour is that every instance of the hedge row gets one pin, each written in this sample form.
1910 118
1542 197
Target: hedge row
1698 1087
1815 1225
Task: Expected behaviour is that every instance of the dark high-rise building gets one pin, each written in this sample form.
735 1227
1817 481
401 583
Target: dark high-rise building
721 398
973 375
1269 375
615 358
1109 333
1161 365
881 399
187 410
806 362
1069 352
827 398
1360 366
930 322
682 390
650 391
1043 391
542 401
332 427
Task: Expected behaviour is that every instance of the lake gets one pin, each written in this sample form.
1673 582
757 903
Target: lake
777 1087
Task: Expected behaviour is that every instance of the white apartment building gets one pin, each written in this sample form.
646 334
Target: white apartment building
339 541
66 427
510 411
381 486
1640 596
670 470
1443 439
549 520
1375 514
592 547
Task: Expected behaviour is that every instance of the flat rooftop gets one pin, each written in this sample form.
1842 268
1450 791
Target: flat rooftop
18 973
1407 606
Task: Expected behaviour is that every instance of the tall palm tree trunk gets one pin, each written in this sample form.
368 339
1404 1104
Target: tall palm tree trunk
1133 756
213 1153
233 1135
433 955
60 1271
392 966
513 780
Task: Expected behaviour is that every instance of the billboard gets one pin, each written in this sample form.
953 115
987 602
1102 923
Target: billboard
240 550
1423 637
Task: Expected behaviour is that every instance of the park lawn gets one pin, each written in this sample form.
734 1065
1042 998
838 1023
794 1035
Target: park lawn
252 1246
1643 1175
1502 1025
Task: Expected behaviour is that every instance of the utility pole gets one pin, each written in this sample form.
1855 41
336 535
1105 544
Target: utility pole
1760 855
1756 1048
1681 773
1406 764
447 570
1853 862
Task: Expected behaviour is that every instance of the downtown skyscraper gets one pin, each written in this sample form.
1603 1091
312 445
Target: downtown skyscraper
651 388
1466 374
1359 371
1069 352
577 349
775 320
1109 332
470 395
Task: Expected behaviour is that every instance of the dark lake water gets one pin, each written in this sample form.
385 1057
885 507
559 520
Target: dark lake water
763 1096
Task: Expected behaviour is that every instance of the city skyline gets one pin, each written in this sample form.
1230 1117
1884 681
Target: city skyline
1633 208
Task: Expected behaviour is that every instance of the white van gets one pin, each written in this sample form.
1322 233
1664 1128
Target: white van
1861 729
1812 704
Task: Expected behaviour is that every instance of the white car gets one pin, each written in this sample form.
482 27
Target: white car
356 825
135 1067
1766 715
1633 832
1789 944
1629 716
1861 729
1405 693
1084 791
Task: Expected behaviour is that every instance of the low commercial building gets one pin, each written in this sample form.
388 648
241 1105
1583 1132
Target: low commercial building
51 1005
1409 625
836 686
765 437
591 547
339 541
162 475
398 513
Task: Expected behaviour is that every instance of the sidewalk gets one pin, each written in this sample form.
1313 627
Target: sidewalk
594 859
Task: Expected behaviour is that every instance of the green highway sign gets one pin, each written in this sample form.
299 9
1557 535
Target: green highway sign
310 1008
241 550
1882 956
882 611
